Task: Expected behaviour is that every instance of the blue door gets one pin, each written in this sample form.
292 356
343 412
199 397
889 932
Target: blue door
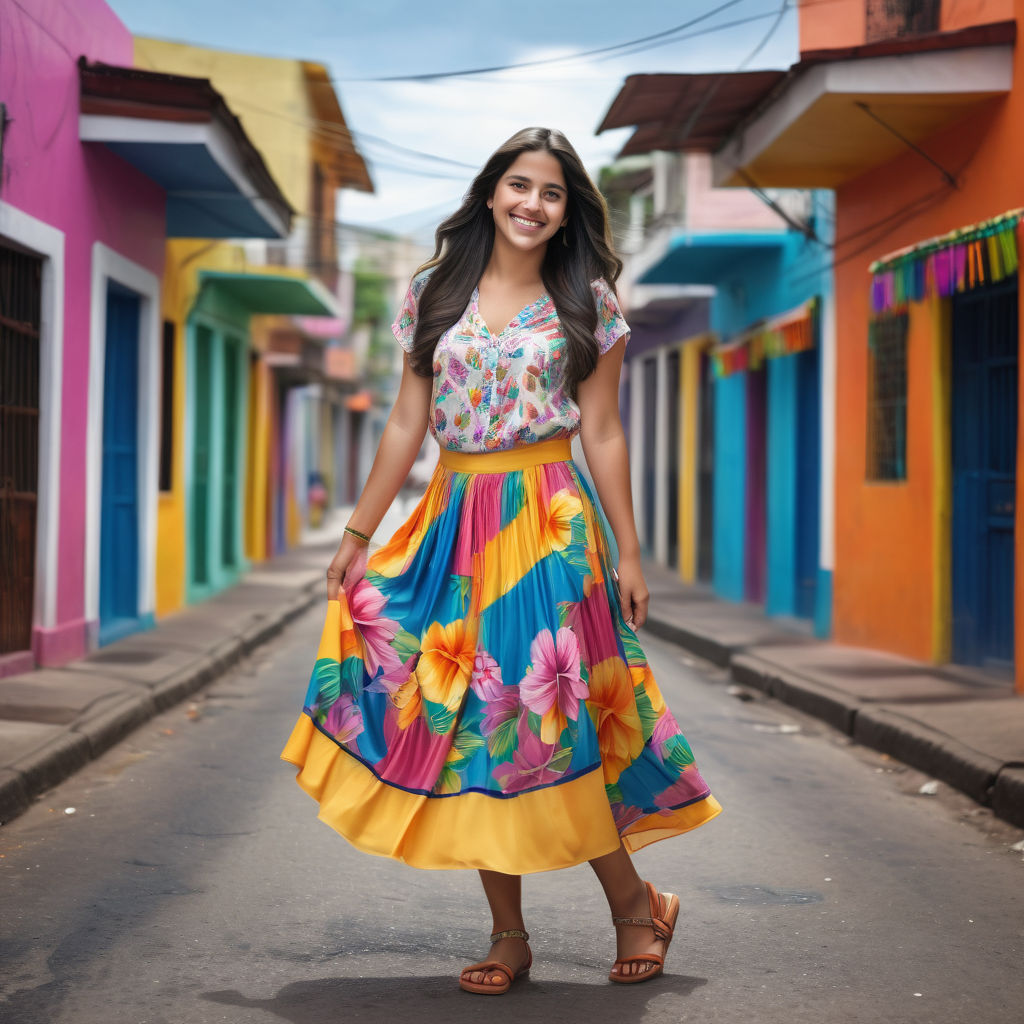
808 479
984 414
119 513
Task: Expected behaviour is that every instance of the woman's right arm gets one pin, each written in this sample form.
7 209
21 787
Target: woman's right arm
399 445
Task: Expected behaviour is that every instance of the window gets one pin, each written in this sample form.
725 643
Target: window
167 408
889 19
887 398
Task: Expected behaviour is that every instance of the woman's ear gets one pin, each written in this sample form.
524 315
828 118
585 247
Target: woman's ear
490 204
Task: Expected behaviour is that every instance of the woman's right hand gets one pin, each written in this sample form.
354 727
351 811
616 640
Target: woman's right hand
347 567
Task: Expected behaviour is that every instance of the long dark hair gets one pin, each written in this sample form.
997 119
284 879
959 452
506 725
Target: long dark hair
463 243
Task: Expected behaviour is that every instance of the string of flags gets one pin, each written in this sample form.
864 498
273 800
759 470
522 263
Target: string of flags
956 262
782 335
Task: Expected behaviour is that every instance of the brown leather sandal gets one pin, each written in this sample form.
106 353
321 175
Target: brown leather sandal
664 912
497 967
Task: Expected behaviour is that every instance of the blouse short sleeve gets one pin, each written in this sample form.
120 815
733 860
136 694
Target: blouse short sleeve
611 325
404 327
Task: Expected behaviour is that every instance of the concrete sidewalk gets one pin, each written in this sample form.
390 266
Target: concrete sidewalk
959 726
54 721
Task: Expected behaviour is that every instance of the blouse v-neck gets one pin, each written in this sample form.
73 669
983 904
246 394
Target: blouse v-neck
516 320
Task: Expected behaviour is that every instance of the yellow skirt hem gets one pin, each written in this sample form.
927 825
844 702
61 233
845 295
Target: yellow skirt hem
542 830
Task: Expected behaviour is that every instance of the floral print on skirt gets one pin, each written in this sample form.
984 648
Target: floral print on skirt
478 700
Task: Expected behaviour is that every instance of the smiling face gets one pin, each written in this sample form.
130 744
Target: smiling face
529 201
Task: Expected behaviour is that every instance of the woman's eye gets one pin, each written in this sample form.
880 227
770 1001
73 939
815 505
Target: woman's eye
517 184
553 197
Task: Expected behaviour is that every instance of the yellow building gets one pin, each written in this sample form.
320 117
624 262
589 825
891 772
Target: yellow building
236 461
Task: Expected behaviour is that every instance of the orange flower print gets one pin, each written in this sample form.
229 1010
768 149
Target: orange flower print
475 397
409 702
446 663
643 676
620 736
556 526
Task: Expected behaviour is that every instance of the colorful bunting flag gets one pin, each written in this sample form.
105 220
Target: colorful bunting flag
956 262
782 335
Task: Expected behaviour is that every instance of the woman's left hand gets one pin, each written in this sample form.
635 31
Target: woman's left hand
633 593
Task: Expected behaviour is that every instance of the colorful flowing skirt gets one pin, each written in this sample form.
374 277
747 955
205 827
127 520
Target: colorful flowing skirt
478 700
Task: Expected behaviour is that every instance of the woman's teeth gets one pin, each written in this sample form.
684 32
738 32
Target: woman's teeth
525 222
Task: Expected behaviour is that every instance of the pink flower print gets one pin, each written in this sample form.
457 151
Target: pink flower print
365 602
345 721
534 763
486 678
664 729
690 786
625 815
552 686
502 701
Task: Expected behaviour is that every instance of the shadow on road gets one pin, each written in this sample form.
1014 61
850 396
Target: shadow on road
439 998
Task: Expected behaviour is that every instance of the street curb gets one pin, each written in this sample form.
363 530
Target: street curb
91 734
929 750
983 778
1008 794
703 646
832 706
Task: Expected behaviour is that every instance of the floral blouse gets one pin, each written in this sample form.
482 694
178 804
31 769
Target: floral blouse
496 392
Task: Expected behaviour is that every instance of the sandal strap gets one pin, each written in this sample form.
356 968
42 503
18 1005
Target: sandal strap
511 933
660 928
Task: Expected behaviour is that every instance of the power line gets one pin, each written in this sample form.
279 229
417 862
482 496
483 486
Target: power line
434 75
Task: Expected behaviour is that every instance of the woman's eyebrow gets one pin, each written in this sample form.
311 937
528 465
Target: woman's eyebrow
528 181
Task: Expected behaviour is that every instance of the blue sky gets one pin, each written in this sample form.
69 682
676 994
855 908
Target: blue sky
464 119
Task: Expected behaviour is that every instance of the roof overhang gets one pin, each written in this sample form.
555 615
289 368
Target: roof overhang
823 129
704 259
808 127
179 132
346 162
259 292
652 305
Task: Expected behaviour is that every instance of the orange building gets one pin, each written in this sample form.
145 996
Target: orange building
912 113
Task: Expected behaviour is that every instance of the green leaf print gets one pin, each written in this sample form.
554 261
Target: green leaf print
467 740
352 672
327 678
613 791
561 760
449 781
579 531
678 752
648 716
533 722
439 719
575 555
502 742
405 645
634 652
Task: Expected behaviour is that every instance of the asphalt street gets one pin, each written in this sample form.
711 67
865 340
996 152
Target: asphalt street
192 883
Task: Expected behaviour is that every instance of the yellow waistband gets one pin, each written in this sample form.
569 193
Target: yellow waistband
557 450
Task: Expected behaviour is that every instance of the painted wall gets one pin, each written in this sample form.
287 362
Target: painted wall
899 598
843 22
89 195
760 284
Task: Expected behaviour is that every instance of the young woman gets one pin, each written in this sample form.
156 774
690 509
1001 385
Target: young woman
479 698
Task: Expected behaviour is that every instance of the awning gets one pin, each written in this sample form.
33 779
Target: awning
784 334
179 132
831 117
656 305
706 258
333 135
257 292
685 112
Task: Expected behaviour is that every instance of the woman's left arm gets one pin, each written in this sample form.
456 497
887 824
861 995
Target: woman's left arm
604 445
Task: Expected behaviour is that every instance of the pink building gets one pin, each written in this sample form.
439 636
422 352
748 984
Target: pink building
100 164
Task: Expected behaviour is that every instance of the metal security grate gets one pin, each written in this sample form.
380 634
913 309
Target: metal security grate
887 398
20 296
